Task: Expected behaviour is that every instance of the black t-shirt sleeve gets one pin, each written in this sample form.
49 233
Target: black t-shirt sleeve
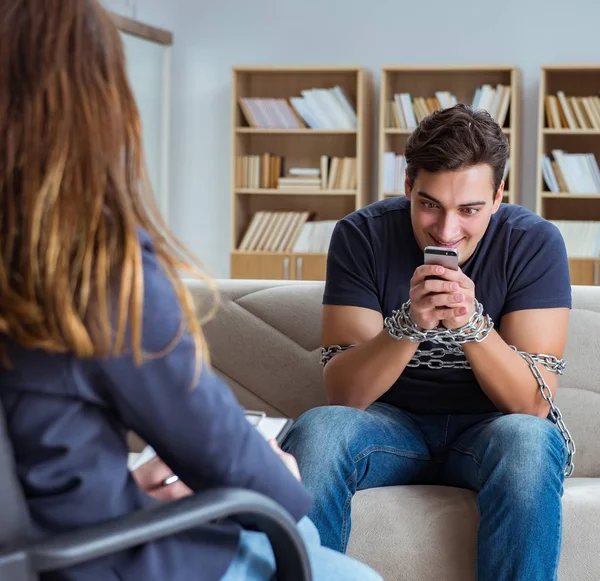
538 273
351 269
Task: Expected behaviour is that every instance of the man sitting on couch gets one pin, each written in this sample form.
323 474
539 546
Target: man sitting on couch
436 375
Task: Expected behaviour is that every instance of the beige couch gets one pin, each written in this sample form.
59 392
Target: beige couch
265 344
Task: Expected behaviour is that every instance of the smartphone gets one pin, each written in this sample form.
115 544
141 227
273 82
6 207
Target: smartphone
446 257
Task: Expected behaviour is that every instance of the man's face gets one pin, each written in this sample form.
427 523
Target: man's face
453 208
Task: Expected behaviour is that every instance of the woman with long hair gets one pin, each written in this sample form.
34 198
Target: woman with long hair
98 334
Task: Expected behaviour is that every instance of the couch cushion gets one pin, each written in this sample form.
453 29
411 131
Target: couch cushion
438 531
578 396
264 341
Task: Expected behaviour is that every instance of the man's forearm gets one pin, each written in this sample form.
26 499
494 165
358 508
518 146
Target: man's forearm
360 375
506 378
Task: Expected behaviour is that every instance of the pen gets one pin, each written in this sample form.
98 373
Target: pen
170 480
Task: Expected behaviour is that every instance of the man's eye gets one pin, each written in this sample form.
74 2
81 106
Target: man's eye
470 211
429 205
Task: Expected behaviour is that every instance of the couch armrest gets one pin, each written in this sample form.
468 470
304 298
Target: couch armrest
24 561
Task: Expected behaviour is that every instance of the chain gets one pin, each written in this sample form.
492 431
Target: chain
327 353
434 358
400 326
554 365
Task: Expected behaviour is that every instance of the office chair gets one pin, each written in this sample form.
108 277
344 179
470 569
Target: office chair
23 559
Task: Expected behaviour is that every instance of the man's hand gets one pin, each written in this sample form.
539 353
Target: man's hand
450 300
150 476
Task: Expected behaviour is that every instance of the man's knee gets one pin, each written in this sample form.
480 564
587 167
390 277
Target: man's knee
528 438
322 431
528 450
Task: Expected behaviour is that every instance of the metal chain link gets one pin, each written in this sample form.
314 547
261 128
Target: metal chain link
476 330
327 353
554 365
434 358
401 326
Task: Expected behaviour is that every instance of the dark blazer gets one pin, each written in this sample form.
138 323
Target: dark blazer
68 418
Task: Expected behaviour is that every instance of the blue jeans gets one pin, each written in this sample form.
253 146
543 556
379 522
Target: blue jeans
255 561
514 462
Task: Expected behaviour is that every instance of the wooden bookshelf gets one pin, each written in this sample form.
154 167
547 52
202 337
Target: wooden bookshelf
289 123
568 179
418 88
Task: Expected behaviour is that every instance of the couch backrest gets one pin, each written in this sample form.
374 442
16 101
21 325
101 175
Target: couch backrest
265 342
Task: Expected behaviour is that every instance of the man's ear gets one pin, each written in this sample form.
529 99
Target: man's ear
407 187
498 197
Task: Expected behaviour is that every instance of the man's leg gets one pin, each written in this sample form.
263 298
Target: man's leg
516 464
341 450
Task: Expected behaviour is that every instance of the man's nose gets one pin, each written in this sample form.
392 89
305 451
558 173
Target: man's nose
449 228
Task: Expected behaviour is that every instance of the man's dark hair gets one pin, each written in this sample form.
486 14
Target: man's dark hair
457 138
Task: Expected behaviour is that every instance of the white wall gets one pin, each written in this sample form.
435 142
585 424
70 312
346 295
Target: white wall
212 36
157 13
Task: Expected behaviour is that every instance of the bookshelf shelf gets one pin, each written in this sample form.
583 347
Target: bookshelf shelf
300 162
571 132
410 92
297 131
396 131
278 253
295 192
568 178
567 196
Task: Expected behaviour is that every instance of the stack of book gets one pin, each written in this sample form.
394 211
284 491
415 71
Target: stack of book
571 173
564 112
258 171
308 178
282 231
315 109
394 172
268 171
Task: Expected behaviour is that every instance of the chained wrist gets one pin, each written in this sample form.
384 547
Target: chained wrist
400 325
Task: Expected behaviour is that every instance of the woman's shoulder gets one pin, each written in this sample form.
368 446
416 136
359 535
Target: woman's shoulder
145 238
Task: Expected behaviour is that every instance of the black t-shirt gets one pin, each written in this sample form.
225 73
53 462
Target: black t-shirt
520 263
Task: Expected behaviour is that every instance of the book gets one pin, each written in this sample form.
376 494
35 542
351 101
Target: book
271 428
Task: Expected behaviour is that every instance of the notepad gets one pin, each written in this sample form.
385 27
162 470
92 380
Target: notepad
136 460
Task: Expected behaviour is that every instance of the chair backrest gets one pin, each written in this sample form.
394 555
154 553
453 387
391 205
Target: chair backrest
265 343
15 522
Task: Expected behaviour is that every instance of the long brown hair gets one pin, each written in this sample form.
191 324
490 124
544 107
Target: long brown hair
73 187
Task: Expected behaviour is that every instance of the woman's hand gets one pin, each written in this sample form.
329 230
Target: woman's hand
288 459
150 477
